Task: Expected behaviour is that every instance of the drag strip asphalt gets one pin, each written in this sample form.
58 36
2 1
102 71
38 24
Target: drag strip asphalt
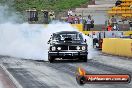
61 74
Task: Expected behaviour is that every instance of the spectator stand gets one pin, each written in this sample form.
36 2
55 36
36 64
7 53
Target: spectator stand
123 10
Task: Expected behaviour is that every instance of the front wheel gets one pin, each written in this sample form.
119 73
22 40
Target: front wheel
51 59
84 58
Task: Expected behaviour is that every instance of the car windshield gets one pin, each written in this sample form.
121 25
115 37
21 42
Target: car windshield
63 36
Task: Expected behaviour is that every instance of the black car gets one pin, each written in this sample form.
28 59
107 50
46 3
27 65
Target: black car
67 45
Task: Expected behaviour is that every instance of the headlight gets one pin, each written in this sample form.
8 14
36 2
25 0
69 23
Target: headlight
53 48
78 48
83 48
59 48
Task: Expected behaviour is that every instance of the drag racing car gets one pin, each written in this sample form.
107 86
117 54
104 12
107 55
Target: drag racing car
67 45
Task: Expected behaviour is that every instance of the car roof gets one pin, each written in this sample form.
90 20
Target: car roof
61 32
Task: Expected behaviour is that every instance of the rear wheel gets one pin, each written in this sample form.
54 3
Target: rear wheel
51 59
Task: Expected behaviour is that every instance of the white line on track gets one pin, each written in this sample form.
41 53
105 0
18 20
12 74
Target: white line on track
17 84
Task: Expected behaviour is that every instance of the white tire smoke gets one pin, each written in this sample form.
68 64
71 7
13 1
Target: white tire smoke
28 41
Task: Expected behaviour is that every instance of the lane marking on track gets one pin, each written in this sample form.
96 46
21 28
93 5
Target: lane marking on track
17 84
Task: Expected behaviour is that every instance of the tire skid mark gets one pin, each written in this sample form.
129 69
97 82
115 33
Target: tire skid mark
71 70
26 79
64 67
109 68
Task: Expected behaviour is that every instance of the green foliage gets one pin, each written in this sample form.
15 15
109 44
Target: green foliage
58 5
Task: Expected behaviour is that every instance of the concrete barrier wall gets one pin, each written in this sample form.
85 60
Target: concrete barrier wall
117 46
128 33
78 26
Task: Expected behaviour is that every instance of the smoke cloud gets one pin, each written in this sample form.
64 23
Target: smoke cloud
8 14
28 41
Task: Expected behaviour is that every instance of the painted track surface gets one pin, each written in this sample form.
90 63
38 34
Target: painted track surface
61 74
5 81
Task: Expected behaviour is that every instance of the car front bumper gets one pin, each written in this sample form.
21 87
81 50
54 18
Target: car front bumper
68 54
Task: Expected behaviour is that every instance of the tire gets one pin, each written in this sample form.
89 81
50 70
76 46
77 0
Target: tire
84 58
51 59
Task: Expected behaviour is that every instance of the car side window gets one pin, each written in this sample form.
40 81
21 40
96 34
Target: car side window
56 37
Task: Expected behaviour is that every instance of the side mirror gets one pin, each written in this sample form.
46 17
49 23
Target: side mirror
48 42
